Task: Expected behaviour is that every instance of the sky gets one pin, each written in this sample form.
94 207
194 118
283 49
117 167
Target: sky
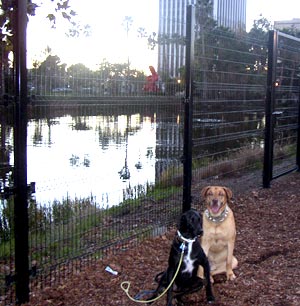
108 38
273 10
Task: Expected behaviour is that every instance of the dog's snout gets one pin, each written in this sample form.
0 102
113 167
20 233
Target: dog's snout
215 201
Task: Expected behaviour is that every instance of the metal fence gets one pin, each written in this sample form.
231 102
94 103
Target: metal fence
113 159
142 197
282 145
230 73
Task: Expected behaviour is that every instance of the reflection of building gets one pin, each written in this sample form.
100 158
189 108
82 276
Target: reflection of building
169 145
288 24
172 25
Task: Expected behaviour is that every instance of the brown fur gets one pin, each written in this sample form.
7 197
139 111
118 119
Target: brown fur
219 237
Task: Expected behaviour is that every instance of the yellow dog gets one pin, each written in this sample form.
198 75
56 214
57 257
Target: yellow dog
219 232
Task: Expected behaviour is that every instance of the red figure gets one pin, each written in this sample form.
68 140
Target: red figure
152 81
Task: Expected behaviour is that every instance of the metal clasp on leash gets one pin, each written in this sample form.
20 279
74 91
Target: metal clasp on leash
182 247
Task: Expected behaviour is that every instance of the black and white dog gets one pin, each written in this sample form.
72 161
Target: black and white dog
186 241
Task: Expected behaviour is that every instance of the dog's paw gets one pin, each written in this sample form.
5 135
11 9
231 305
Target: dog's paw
210 299
231 276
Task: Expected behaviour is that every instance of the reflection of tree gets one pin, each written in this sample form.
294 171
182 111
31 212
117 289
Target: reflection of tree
38 130
124 172
139 165
75 161
108 131
80 123
5 150
38 135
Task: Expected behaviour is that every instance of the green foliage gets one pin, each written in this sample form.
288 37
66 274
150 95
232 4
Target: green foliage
51 77
292 31
62 212
60 8
237 162
204 15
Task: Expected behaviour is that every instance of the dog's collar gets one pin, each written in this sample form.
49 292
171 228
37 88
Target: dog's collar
186 239
217 219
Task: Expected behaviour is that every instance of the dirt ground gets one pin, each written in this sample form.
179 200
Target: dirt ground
267 247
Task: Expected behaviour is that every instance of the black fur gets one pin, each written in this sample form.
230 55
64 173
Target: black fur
190 226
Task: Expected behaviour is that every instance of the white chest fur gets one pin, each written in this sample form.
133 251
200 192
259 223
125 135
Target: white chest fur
189 263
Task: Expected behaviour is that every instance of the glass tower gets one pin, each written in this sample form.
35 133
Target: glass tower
172 27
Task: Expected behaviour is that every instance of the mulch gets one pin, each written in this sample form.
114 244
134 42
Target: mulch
267 248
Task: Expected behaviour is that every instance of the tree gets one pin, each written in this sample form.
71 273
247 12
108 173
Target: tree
204 24
260 27
8 15
204 15
292 31
51 74
258 38
81 78
116 79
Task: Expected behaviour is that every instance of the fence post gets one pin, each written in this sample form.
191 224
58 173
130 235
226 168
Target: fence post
298 132
20 158
270 100
188 109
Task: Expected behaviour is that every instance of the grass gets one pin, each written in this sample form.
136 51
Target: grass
240 161
65 229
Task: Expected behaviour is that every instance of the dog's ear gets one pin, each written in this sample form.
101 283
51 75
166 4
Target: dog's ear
183 223
204 191
228 192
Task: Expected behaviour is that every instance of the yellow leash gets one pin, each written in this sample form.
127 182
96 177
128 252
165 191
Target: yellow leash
126 289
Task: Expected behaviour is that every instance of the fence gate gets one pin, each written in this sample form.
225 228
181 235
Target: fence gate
282 140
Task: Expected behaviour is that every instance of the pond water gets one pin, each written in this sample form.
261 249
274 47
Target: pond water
114 154
99 156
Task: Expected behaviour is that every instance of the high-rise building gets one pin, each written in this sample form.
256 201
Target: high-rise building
172 23
172 26
231 14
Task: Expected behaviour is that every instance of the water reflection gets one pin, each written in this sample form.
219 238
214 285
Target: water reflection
106 153
82 156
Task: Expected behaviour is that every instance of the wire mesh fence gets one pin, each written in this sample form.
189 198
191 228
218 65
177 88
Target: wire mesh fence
106 176
112 196
229 100
286 107
105 147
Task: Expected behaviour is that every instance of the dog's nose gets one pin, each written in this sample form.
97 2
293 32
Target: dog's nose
215 201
